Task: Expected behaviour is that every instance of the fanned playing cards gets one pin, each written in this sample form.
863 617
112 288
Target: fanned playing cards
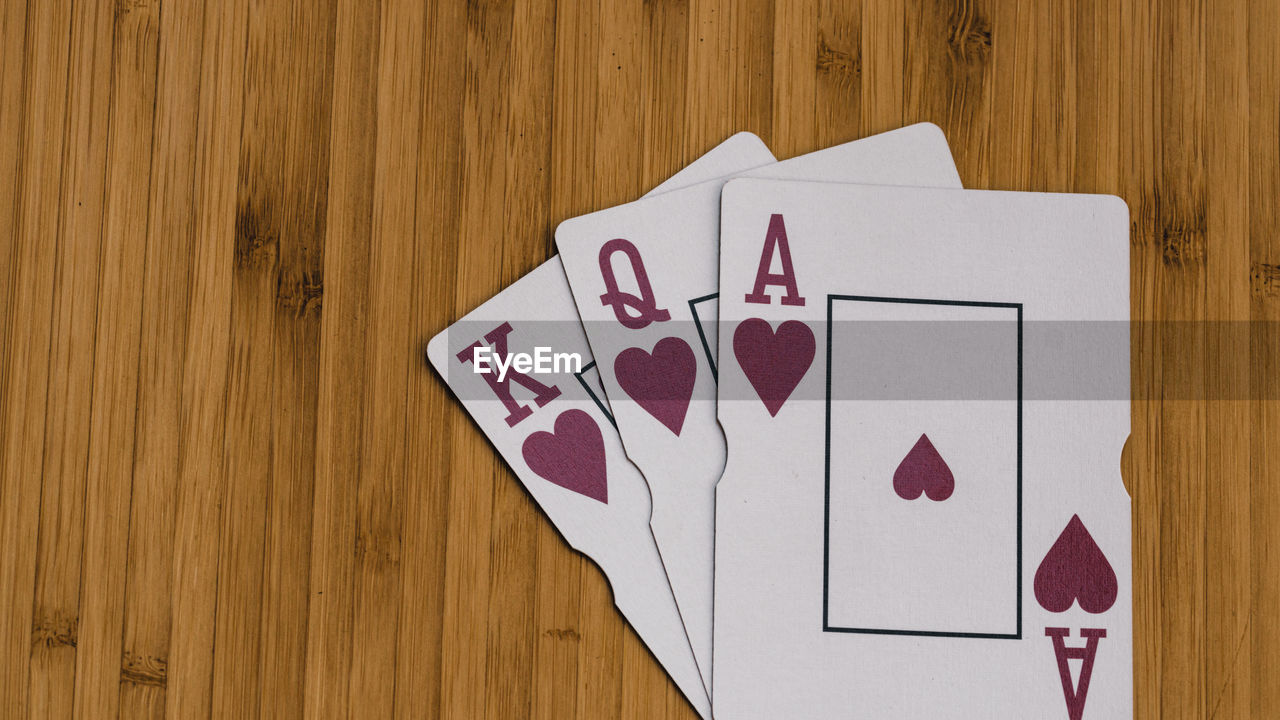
844 437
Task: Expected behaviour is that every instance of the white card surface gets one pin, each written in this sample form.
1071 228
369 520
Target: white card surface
922 514
561 443
645 278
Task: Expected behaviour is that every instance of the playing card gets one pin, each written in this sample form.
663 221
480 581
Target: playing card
922 514
644 276
561 444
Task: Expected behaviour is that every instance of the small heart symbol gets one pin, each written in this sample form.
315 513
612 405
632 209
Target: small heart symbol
661 382
572 456
1075 569
923 471
774 362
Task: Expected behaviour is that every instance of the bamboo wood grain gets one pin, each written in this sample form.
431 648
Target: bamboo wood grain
231 485
117 340
33 250
67 425
340 383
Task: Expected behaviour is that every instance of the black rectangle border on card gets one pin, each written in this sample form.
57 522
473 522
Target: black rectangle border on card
702 334
826 521
591 393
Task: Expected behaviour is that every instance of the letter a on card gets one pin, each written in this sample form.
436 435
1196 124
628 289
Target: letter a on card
775 242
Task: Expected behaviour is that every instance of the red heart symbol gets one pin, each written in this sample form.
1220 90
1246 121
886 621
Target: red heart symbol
1075 569
923 471
775 363
661 382
572 456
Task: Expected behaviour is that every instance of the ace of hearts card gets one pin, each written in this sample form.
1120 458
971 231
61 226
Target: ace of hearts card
922 514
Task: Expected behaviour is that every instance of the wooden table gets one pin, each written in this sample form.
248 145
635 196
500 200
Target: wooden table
231 486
